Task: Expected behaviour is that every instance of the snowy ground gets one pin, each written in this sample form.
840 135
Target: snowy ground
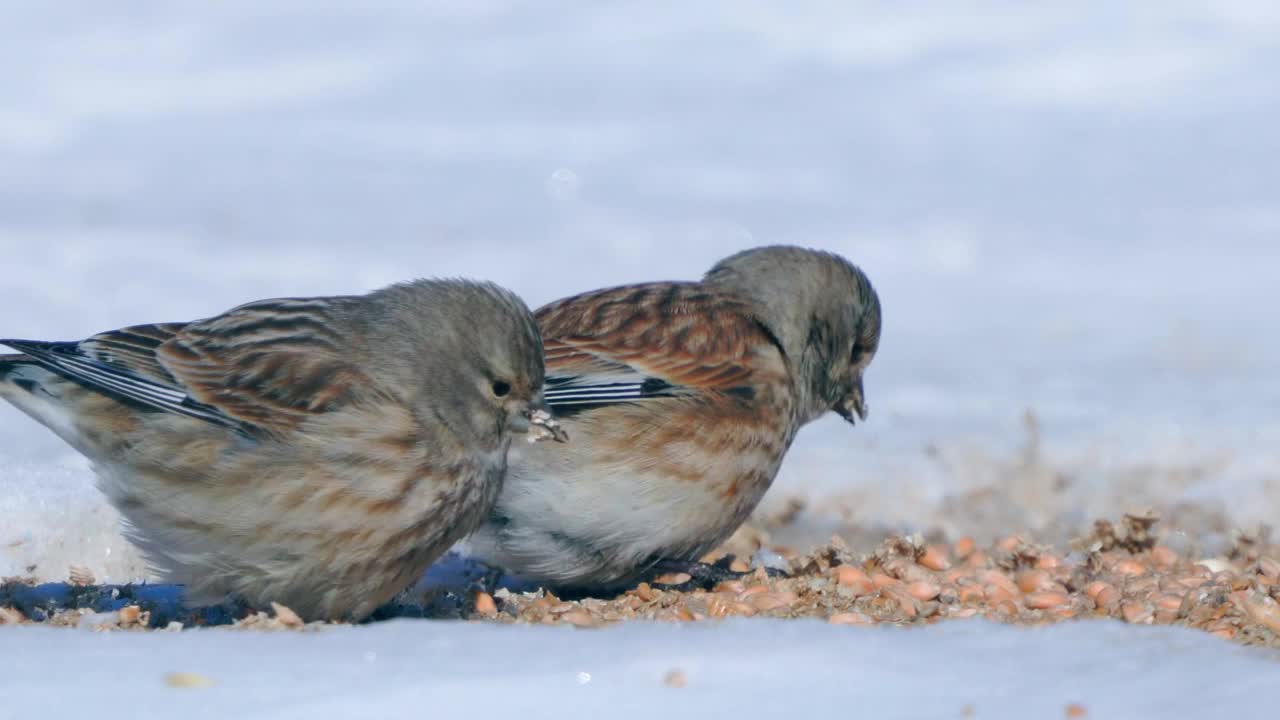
765 669
1067 208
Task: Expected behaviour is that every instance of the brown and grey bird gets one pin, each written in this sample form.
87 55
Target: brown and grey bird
682 399
319 452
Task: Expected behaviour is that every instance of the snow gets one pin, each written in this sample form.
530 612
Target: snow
1067 209
742 669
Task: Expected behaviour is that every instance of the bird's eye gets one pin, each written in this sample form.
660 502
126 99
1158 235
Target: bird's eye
501 388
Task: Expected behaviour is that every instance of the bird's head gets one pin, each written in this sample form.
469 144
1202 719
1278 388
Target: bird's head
825 315
475 353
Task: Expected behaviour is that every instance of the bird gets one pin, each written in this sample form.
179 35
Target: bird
682 399
318 452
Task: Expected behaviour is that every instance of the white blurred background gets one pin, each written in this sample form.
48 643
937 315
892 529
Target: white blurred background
1068 208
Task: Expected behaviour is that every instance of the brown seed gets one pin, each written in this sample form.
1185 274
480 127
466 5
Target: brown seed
1132 568
934 557
962 613
1136 613
683 614
905 601
673 579
849 618
562 607
739 565
970 594
880 580
1006 608
645 592
765 602
741 608
753 590
675 679
1270 567
1032 580
923 591
718 606
995 577
965 547
860 588
187 680
11 616
578 618
849 575
730 586
1145 585
1009 543
286 616
997 595
1163 557
1046 600
1169 602
1048 561
977 559
129 615
485 605
1076 710
1108 599
1264 611
1191 582
898 568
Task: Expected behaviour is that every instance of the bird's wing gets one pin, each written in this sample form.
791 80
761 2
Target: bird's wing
263 366
133 349
133 376
271 363
635 343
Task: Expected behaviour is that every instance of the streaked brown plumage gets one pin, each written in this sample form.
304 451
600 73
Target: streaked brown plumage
319 452
682 399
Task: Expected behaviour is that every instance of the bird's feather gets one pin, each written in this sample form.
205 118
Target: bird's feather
271 363
643 342
266 366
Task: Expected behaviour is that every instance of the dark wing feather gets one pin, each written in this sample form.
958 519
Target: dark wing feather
272 363
116 379
264 366
634 343
134 349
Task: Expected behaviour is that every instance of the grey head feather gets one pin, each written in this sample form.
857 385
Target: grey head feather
821 308
445 343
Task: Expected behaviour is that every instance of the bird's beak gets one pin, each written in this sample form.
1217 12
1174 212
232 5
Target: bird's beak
853 404
543 425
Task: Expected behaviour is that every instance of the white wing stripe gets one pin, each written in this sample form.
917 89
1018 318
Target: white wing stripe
553 400
588 401
127 385
605 390
124 383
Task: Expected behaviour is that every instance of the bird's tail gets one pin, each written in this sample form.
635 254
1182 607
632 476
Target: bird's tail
15 372
9 362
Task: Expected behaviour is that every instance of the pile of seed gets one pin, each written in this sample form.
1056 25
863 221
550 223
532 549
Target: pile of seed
907 582
1125 574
